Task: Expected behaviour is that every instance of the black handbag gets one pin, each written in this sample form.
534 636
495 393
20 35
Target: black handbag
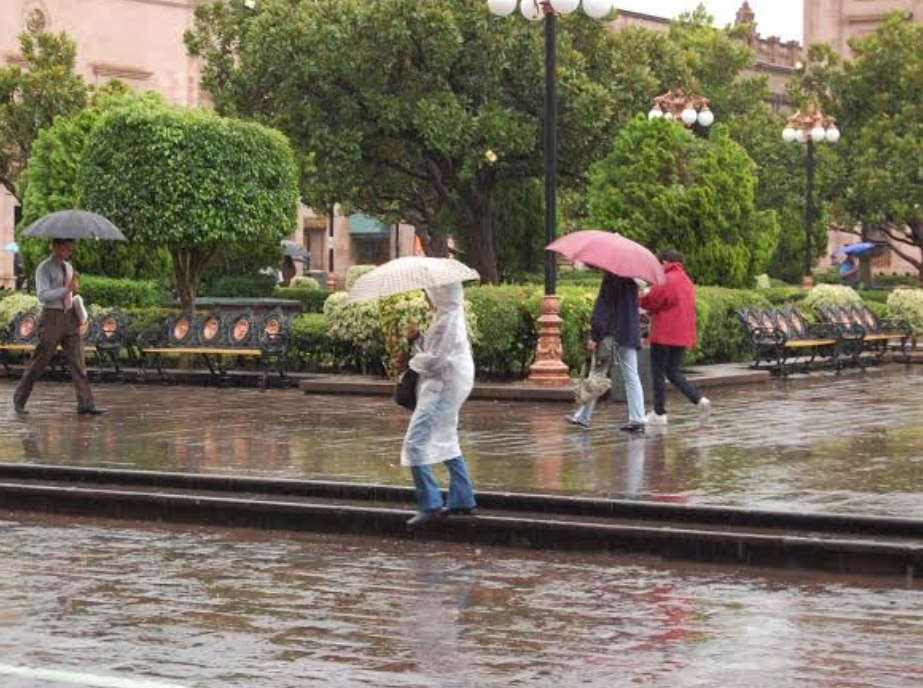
405 392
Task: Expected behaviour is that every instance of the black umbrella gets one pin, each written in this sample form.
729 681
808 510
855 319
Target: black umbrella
294 250
73 224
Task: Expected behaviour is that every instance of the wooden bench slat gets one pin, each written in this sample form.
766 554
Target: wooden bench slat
805 343
200 350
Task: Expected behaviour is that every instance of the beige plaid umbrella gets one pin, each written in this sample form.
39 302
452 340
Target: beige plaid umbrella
407 274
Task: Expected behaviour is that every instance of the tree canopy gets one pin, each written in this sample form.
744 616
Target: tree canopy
666 188
878 97
50 183
32 95
415 110
192 182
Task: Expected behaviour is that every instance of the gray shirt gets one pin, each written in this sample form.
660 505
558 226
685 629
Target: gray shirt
51 284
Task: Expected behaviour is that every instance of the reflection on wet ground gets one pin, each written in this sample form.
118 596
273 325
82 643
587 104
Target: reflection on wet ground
848 444
227 609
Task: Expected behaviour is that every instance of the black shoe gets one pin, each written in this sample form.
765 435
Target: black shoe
446 511
633 427
92 411
21 410
420 518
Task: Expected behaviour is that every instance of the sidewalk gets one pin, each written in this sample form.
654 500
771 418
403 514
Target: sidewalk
846 444
704 377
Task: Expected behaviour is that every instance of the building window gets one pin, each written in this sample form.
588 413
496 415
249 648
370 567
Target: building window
36 19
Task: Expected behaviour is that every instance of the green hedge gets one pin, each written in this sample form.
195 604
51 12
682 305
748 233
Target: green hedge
124 293
506 341
243 286
721 337
311 299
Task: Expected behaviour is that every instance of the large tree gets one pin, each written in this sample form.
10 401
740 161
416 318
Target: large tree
192 182
879 100
32 95
667 188
416 110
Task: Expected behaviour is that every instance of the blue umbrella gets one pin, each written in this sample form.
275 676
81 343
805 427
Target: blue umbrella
857 248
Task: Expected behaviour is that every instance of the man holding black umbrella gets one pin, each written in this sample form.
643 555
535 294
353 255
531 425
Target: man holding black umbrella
55 285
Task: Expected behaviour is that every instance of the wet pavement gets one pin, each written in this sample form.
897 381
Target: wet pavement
101 604
133 605
845 444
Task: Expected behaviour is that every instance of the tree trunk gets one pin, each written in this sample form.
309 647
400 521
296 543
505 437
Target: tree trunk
434 243
482 254
187 270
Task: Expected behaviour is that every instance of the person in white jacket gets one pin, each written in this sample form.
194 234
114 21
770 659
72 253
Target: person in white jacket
446 369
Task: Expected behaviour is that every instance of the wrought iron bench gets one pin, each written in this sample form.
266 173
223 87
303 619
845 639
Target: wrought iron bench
103 336
879 336
219 339
783 337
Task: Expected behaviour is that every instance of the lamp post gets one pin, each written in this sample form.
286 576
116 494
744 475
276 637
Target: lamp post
548 367
809 127
686 109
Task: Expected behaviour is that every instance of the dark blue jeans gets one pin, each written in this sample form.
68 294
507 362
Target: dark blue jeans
666 363
429 496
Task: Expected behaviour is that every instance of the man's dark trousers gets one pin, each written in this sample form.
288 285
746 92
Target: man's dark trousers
58 327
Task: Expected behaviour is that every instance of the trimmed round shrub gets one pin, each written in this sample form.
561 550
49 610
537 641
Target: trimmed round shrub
907 304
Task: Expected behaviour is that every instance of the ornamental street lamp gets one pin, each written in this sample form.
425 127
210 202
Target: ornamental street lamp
548 367
687 109
809 126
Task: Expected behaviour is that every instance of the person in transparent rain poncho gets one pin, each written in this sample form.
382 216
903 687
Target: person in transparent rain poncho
446 369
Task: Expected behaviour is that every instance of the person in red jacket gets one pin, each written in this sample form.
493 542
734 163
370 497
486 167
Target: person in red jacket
671 307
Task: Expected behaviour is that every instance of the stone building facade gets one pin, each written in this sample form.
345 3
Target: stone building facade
836 21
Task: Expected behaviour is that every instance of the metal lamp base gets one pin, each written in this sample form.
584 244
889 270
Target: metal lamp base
548 368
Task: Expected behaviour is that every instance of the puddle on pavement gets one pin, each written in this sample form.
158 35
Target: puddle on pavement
236 608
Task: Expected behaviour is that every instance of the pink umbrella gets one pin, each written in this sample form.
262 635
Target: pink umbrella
611 252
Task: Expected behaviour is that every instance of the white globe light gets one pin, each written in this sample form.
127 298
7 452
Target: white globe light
833 135
531 10
565 6
799 136
597 9
501 8
818 134
706 117
689 116
655 113
789 134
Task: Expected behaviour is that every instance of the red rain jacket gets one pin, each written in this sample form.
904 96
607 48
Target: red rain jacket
672 308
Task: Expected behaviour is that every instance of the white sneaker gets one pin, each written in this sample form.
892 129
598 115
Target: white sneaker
704 407
656 419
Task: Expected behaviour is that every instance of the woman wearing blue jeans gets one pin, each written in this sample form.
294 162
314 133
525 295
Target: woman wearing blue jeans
615 330
446 369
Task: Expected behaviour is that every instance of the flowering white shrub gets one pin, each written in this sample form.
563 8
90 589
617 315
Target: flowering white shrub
15 304
907 304
304 282
356 323
828 295
355 272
